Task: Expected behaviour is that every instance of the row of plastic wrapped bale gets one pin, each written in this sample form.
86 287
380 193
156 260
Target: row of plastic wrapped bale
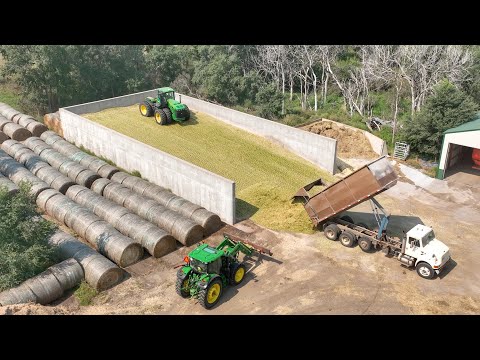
18 126
209 221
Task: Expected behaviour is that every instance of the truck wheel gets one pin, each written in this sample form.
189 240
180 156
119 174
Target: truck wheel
365 244
160 117
425 270
347 239
238 274
146 109
331 232
181 287
168 113
347 218
209 296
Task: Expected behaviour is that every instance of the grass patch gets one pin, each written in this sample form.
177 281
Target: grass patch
9 95
85 293
266 174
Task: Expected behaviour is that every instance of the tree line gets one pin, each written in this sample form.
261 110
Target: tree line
274 81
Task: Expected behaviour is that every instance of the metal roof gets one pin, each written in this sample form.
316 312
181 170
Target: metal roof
419 231
469 126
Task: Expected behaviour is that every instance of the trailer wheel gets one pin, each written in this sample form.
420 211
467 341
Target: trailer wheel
347 239
331 232
425 270
365 243
347 218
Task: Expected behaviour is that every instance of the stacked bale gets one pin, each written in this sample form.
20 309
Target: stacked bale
12 130
74 153
18 174
183 229
5 183
155 240
53 122
108 241
78 173
100 273
47 286
7 111
39 168
208 220
3 137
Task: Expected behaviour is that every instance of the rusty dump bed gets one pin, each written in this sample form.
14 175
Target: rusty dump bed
363 184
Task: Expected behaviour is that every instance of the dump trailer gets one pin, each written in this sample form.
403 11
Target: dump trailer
418 247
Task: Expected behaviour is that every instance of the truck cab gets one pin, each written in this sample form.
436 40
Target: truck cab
430 254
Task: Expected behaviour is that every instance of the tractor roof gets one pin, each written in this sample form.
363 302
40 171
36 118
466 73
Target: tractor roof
206 253
165 90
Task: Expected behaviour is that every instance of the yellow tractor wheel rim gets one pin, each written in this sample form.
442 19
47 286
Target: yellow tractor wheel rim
239 274
143 109
213 293
158 117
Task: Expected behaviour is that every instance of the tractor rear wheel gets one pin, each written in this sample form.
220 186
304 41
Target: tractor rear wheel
347 239
160 117
238 274
209 296
181 286
331 232
146 109
168 113
188 114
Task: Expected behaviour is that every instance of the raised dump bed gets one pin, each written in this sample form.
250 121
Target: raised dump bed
363 184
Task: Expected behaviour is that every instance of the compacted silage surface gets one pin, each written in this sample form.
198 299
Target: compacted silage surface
266 174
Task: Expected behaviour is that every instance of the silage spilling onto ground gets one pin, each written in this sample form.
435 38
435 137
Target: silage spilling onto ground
266 174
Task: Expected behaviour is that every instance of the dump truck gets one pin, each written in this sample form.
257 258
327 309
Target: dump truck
208 270
418 247
164 107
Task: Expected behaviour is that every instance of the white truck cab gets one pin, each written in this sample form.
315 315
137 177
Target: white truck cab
430 254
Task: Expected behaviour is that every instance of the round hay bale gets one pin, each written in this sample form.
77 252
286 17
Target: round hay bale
24 121
130 181
19 295
85 197
86 178
186 231
62 184
86 160
96 165
28 155
80 223
42 199
116 212
45 286
48 134
16 132
167 220
6 183
38 188
19 153
163 197
51 139
48 174
140 186
65 148
99 185
39 147
103 274
119 177
78 213
3 122
54 158
79 156
157 242
107 171
69 273
145 207
102 207
7 146
75 191
10 113
35 163
71 168
116 193
59 208
36 128
31 141
134 201
126 224
210 222
3 137
122 248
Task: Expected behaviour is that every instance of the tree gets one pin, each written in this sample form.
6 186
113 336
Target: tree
447 108
24 251
269 101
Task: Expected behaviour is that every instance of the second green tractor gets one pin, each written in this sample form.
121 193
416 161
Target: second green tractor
164 107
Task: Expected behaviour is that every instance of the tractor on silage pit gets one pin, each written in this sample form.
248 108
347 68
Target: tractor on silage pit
164 107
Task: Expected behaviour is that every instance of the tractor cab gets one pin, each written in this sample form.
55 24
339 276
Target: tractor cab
206 259
164 94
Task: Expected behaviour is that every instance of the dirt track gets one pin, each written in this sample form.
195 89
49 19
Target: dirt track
311 275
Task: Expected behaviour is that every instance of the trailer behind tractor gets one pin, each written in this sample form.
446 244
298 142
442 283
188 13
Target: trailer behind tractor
418 247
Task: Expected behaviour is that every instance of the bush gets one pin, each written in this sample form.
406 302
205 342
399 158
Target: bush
24 249
269 102
85 293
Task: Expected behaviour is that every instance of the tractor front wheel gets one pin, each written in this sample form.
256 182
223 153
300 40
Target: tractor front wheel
209 296
168 113
160 117
146 109
182 286
238 274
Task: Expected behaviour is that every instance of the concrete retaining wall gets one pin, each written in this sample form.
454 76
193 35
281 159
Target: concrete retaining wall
202 187
317 149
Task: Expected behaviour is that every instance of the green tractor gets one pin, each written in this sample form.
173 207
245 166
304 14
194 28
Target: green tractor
164 107
208 270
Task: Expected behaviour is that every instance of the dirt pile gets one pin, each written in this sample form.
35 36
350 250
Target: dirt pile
32 309
350 143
